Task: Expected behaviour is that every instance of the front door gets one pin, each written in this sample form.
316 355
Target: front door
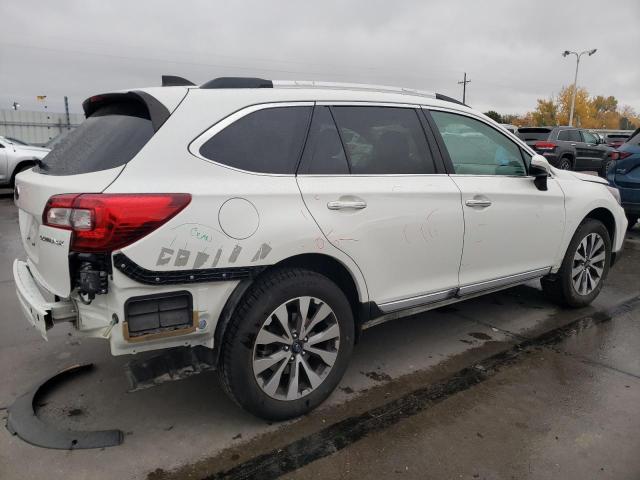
594 153
512 230
380 200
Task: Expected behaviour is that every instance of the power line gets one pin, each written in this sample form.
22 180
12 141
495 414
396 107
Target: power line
464 87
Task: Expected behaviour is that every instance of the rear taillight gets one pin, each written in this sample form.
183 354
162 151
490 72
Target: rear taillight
545 146
623 155
106 222
614 155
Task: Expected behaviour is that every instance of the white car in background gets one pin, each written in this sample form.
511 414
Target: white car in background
273 221
16 156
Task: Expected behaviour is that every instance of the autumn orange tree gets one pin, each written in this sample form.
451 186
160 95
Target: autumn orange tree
589 112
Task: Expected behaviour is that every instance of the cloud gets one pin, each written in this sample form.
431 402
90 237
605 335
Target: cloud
510 50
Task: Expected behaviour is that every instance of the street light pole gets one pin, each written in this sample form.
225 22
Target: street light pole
575 78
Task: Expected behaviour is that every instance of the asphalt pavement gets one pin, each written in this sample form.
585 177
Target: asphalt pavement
503 386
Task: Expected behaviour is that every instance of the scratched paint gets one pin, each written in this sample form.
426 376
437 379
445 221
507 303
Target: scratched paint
201 258
234 253
165 256
262 252
216 259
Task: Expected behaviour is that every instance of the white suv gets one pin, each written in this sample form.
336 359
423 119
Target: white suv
273 221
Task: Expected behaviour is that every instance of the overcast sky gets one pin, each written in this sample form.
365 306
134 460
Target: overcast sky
511 50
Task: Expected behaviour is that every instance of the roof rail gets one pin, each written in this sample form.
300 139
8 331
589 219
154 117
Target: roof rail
251 82
237 82
173 81
350 86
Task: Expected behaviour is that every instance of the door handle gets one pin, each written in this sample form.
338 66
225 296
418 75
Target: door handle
345 204
478 203
573 144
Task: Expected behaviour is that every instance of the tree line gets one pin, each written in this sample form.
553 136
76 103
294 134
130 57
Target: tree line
590 112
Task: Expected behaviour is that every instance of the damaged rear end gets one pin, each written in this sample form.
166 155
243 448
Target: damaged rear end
68 227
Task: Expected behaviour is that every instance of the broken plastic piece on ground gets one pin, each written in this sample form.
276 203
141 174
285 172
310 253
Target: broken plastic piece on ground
23 421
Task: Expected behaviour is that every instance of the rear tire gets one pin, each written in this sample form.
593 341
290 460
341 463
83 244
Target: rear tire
584 268
270 364
565 164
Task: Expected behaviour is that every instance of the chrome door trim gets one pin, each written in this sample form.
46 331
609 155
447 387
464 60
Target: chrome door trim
502 281
411 302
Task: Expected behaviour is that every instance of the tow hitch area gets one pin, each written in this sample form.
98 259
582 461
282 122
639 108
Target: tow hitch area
24 422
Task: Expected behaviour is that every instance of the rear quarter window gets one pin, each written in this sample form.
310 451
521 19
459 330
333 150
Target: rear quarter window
265 141
109 138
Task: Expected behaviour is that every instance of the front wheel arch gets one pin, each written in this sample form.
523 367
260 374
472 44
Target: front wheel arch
606 217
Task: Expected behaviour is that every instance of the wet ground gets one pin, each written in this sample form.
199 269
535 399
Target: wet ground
504 386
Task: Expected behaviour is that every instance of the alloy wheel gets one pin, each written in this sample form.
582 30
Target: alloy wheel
296 348
588 264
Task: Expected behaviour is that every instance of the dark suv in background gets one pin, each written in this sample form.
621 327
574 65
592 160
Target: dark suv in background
568 148
624 174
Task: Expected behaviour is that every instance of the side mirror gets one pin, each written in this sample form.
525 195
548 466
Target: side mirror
539 169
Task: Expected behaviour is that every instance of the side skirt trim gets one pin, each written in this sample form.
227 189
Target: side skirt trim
423 303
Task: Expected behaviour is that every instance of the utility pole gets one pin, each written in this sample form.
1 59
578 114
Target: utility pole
575 78
66 111
464 88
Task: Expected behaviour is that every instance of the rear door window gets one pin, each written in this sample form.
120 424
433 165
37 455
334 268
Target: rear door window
265 141
574 136
323 152
383 140
109 138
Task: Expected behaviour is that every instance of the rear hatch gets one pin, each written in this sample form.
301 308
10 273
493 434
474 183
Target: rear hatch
532 135
87 160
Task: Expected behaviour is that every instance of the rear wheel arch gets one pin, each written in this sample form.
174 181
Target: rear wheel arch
325 265
20 166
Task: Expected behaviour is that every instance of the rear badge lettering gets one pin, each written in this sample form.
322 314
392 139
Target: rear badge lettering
53 241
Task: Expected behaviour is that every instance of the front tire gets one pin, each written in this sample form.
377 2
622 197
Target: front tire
584 268
288 344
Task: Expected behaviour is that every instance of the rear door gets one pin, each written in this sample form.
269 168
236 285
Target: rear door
373 188
512 230
86 161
